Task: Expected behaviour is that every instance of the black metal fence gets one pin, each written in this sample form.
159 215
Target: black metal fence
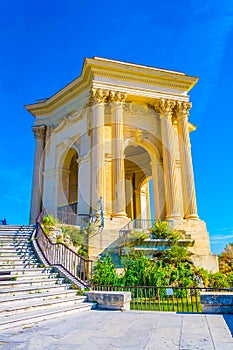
59 254
152 298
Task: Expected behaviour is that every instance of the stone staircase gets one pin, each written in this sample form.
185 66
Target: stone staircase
29 291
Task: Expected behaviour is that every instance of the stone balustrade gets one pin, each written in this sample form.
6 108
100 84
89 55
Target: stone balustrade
110 300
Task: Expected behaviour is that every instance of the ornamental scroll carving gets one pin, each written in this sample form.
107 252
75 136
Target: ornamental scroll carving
182 109
139 135
165 106
98 96
102 96
135 109
116 96
39 131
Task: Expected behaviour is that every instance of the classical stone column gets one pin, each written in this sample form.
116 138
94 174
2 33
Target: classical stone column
98 98
137 203
165 108
118 170
129 196
189 195
37 180
157 210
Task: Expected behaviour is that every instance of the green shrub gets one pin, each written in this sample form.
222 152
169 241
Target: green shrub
48 223
218 280
73 233
104 272
162 230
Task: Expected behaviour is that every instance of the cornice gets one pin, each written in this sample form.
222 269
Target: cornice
94 69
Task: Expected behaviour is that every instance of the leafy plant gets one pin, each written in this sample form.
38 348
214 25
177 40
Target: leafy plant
48 223
162 230
226 259
73 234
104 272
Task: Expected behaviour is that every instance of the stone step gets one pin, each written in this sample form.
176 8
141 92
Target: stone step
15 239
15 246
21 299
32 283
32 305
16 232
16 227
30 292
34 290
17 257
25 277
18 265
16 249
27 319
28 271
14 262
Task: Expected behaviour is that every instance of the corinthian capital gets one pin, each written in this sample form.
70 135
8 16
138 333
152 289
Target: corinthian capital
39 131
182 109
116 96
165 106
98 95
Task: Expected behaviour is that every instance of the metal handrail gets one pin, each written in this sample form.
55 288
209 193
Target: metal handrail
69 218
139 224
61 255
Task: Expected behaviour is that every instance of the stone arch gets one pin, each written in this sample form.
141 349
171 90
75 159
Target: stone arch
146 144
69 181
137 164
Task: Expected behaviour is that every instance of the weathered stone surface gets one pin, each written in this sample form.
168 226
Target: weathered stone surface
110 300
115 330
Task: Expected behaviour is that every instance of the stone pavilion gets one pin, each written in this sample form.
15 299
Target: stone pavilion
117 139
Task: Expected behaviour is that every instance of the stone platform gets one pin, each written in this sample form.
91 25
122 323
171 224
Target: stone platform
114 330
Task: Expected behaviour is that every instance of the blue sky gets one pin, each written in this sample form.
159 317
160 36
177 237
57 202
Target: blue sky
44 43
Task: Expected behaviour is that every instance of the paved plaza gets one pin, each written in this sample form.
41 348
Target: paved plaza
114 330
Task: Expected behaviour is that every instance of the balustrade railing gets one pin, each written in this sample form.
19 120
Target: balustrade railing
60 254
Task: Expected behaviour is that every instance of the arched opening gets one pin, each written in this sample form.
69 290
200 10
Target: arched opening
147 199
139 184
70 183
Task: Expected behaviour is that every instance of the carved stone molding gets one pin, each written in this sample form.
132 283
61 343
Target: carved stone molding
135 109
165 106
98 96
182 109
116 96
39 131
139 135
102 96
129 176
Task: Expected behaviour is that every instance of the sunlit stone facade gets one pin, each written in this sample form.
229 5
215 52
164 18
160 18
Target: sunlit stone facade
120 134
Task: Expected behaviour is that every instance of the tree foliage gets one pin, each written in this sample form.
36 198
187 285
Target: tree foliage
226 259
172 268
104 272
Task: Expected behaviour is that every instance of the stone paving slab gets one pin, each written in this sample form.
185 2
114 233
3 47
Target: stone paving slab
114 330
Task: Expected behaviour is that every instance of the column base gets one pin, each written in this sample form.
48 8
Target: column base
192 217
119 215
